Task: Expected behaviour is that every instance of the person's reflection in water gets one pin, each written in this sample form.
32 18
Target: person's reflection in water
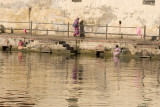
80 73
77 73
158 78
82 32
73 98
72 102
116 60
75 70
21 60
75 88
139 76
20 56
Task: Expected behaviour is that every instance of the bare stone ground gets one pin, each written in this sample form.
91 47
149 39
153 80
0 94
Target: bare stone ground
71 38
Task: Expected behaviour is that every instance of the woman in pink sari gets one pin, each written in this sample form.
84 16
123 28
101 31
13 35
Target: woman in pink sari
76 27
116 51
139 32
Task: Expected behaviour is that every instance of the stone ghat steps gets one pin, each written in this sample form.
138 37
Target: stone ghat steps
147 46
48 46
46 50
148 43
68 47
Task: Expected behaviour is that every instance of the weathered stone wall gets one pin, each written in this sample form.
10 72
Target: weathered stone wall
96 12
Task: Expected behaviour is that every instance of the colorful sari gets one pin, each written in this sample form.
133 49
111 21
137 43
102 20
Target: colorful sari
116 51
76 27
139 32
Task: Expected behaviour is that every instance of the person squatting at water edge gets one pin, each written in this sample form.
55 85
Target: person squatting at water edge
20 44
116 51
76 27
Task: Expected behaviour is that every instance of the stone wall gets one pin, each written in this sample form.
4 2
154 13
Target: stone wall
96 12
151 48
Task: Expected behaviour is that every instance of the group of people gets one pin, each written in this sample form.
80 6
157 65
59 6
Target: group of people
116 51
76 27
22 44
79 28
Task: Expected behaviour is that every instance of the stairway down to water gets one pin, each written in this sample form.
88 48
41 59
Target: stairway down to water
68 47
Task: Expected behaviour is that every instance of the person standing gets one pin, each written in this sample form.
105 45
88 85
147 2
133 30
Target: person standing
116 51
76 27
139 32
82 32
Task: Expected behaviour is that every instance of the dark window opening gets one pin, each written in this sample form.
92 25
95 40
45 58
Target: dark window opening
76 0
149 2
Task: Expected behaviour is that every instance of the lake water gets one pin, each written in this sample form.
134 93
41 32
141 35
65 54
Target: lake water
47 80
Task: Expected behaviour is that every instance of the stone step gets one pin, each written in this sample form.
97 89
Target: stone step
148 43
68 47
62 42
147 46
46 50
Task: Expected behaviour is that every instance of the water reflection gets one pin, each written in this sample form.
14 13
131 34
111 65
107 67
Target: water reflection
77 70
19 56
158 78
76 88
45 80
116 60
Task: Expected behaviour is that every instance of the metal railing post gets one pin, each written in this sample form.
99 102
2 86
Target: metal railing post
106 30
68 29
31 28
11 30
159 32
144 33
47 32
121 35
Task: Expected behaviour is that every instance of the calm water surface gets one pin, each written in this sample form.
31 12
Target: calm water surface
47 80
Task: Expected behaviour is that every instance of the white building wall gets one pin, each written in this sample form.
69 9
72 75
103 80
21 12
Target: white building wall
96 12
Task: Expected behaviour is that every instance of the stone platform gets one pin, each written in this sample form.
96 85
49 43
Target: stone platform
62 43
